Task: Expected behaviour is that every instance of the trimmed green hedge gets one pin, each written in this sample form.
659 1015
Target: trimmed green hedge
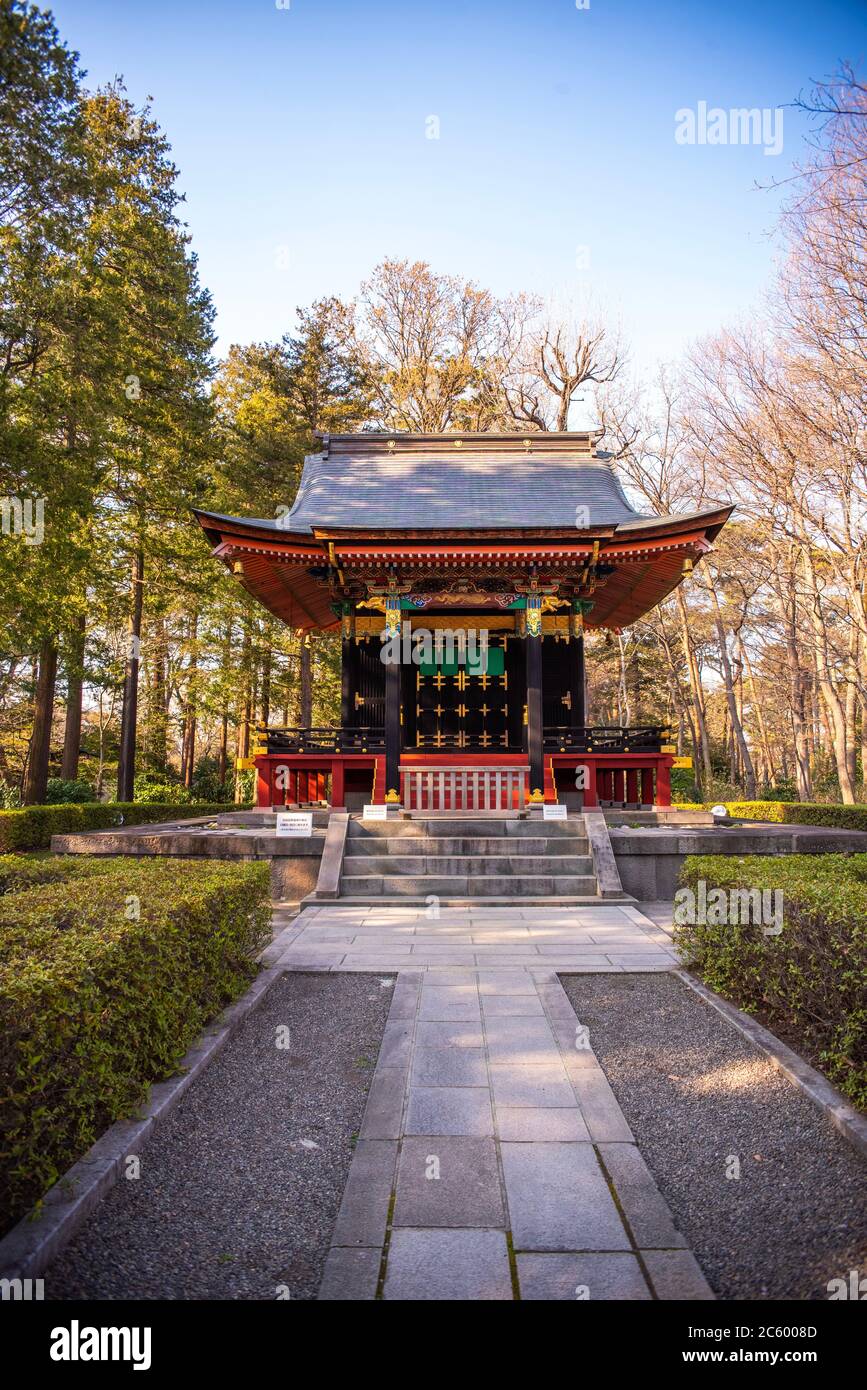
787 812
106 978
810 981
20 871
31 827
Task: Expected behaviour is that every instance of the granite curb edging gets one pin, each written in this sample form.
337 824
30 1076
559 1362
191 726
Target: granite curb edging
816 1087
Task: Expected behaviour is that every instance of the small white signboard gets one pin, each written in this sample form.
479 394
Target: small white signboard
553 812
374 812
294 822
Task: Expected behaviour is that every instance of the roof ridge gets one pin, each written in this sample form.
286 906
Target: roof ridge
471 441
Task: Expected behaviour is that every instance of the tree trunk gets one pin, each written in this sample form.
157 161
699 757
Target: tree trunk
243 742
224 749
190 750
184 719
74 688
192 693
40 743
740 749
158 700
862 700
770 773
835 706
129 713
797 694
852 709
697 692
223 762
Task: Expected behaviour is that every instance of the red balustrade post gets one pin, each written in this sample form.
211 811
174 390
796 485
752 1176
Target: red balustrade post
647 786
632 784
263 781
663 781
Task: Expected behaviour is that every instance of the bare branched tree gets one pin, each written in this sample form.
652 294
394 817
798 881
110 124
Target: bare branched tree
559 359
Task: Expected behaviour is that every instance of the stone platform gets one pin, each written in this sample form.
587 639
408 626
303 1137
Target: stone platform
459 857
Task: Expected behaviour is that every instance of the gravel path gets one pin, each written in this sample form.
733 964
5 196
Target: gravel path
695 1093
239 1189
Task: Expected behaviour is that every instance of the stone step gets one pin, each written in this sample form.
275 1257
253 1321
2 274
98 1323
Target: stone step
531 865
475 846
562 900
472 886
458 828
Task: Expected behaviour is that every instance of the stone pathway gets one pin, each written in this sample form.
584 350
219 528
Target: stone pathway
493 1160
397 938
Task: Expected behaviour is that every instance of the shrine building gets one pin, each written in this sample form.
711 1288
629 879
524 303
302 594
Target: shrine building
462 572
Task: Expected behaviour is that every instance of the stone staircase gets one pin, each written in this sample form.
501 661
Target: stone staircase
455 858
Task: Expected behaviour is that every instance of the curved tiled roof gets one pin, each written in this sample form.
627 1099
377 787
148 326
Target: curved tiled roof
396 498
437 489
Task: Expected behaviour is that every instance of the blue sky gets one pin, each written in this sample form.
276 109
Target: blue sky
301 137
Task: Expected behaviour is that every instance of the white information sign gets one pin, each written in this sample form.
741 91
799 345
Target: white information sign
374 812
294 822
553 812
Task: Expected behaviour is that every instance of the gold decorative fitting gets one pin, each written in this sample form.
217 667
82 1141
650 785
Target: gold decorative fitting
459 443
238 567
390 446
536 795
688 566
392 797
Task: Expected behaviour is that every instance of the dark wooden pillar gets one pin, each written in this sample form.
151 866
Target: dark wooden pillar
577 682
392 699
577 675
348 668
534 693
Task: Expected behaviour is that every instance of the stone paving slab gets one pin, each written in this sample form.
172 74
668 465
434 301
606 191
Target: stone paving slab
448 1265
532 1125
363 1211
561 1278
559 1199
449 1066
441 1034
448 1180
675 1274
494 1161
511 1005
540 1086
646 1211
350 1275
461 1110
